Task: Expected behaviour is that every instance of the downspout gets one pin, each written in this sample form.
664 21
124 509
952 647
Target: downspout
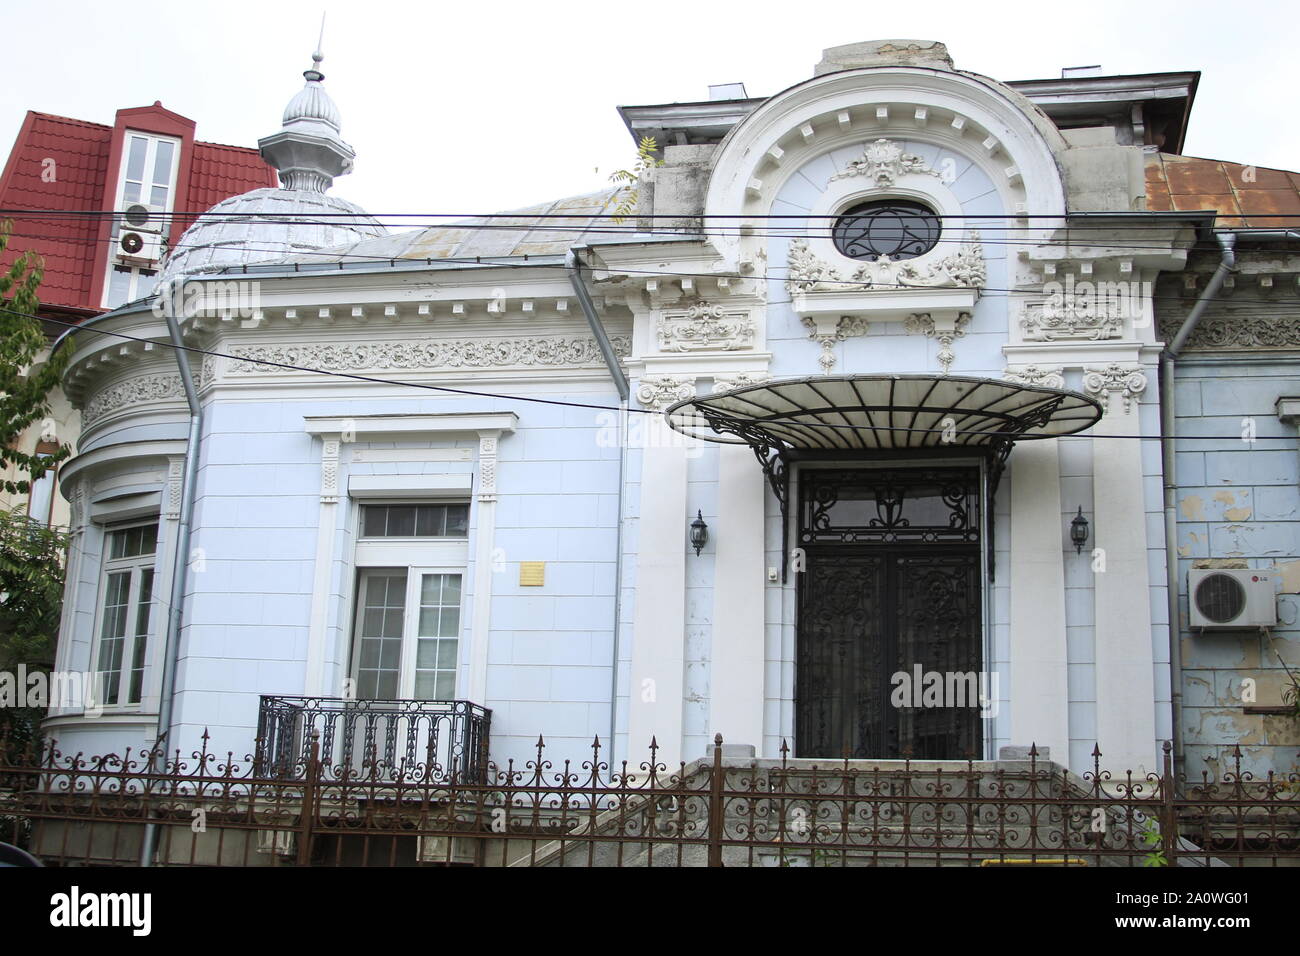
1168 357
574 265
180 564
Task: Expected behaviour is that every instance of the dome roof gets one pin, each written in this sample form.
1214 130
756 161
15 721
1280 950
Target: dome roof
312 104
296 219
268 224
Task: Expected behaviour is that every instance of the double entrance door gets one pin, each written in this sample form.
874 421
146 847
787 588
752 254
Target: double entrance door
889 648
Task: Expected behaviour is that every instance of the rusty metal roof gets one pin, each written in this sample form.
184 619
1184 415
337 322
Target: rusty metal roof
1243 196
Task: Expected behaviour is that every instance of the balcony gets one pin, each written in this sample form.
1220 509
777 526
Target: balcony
433 740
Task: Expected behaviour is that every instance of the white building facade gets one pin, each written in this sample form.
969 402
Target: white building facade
876 279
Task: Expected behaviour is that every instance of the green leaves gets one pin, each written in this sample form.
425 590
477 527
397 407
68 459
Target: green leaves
25 381
631 178
31 590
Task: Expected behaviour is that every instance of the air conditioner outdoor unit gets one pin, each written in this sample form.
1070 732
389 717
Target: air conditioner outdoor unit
141 217
1231 598
145 246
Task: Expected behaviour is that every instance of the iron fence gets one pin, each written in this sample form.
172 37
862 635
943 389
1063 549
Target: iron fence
715 811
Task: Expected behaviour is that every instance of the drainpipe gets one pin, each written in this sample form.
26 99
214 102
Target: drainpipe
1168 357
574 265
180 564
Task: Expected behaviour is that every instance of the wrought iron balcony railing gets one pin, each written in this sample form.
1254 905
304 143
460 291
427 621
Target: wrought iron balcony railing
410 739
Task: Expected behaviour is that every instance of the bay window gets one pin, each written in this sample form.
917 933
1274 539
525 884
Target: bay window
126 597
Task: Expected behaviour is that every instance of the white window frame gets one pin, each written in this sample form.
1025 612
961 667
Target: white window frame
136 567
415 557
146 188
147 181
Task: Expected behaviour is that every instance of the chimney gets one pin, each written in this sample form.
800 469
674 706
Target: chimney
727 91
855 56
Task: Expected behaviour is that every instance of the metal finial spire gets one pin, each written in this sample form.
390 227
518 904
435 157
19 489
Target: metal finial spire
314 73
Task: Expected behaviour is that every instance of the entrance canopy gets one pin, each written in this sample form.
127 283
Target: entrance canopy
846 416
870 413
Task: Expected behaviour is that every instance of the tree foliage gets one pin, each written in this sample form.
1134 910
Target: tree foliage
24 385
630 195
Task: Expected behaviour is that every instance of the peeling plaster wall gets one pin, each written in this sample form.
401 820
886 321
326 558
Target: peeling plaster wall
1238 506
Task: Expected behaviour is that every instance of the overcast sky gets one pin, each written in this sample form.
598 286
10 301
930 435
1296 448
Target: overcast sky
476 107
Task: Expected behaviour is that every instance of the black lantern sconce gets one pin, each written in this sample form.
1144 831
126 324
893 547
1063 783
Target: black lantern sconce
1079 531
699 533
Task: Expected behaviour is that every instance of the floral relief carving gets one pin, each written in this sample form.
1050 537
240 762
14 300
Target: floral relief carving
883 161
550 351
1081 317
965 268
142 388
705 327
725 383
1043 376
1239 332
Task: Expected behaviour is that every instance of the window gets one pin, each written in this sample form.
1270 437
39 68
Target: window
415 521
407 634
888 227
127 596
128 283
40 499
149 170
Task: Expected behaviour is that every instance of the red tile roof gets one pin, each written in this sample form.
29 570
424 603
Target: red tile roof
1242 195
75 248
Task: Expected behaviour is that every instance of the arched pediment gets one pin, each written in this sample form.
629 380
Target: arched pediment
822 130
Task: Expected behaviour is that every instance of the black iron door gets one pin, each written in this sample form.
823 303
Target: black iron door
889 635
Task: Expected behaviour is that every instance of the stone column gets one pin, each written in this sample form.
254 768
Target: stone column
1124 660
659 620
736 668
1039 692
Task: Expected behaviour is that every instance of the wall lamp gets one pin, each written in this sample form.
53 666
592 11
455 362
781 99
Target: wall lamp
699 533
1079 531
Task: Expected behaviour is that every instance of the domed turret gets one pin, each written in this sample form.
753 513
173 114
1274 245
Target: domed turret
296 218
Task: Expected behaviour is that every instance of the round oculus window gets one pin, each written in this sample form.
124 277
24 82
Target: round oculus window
895 228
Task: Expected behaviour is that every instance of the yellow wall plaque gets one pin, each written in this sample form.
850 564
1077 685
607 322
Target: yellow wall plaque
532 574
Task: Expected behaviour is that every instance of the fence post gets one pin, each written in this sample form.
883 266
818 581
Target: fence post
715 805
309 800
1169 812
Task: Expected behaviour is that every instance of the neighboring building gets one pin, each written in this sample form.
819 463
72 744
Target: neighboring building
878 280
64 183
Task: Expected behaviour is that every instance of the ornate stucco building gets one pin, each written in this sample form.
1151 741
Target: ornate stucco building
868 390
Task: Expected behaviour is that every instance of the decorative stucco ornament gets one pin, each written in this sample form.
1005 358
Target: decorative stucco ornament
1107 381
848 326
945 331
965 268
426 354
657 392
884 161
1044 376
705 327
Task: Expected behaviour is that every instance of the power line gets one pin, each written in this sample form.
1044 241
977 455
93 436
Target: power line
513 262
549 401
